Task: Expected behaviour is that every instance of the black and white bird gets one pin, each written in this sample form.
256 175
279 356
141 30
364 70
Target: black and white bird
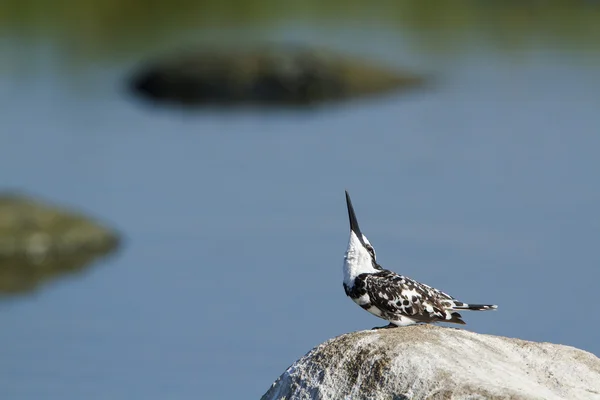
393 297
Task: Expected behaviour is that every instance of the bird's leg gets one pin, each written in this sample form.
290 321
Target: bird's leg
390 325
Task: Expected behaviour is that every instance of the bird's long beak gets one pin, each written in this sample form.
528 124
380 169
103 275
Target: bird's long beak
353 221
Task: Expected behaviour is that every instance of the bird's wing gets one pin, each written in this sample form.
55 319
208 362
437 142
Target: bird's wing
398 295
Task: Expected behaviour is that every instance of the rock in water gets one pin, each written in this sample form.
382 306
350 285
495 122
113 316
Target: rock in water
431 362
267 75
39 241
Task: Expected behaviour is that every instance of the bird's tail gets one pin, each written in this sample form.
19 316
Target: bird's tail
474 307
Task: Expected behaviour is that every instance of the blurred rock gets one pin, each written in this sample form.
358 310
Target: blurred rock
288 76
431 362
40 241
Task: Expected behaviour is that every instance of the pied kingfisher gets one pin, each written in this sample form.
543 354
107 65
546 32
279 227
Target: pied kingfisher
388 295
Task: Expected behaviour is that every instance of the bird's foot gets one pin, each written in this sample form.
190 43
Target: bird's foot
390 325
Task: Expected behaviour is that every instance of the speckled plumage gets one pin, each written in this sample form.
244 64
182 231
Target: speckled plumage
388 295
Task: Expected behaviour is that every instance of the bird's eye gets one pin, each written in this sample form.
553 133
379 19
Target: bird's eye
371 251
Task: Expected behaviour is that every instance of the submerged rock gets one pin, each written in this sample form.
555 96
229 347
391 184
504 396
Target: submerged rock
40 241
431 362
270 75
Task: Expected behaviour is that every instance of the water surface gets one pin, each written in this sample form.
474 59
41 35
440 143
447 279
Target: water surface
484 185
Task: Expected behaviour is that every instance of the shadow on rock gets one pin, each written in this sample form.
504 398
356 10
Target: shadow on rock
39 242
268 75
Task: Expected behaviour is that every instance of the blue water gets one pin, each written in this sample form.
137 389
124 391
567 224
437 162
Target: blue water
484 185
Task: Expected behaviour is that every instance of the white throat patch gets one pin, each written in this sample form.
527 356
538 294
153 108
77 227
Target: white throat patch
357 260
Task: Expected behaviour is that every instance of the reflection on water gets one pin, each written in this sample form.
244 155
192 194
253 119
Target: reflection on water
485 187
40 241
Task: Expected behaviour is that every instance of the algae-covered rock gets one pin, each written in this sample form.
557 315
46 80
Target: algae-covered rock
39 241
268 75
430 362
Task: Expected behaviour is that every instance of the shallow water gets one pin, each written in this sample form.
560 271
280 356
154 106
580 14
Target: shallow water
483 185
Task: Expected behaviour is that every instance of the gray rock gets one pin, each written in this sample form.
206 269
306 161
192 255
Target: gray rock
39 241
267 75
431 362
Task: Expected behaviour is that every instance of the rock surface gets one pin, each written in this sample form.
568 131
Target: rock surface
431 362
267 75
39 241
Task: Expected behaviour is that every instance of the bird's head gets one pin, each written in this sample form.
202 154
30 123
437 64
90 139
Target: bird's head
360 255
